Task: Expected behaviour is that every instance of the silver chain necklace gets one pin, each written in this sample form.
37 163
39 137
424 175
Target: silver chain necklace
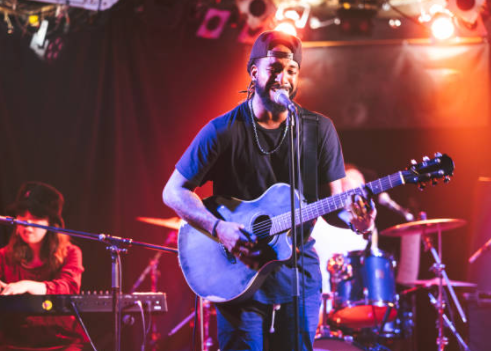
256 136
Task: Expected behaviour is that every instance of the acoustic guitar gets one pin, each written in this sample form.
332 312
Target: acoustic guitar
216 275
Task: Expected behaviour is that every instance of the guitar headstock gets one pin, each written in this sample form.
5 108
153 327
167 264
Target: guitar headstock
429 170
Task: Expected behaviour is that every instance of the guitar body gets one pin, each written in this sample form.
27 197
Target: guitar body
215 274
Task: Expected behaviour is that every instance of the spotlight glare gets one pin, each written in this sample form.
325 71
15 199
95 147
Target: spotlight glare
287 27
299 14
436 8
424 18
442 27
315 23
314 2
394 23
292 14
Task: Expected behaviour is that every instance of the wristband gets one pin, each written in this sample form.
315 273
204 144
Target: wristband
214 230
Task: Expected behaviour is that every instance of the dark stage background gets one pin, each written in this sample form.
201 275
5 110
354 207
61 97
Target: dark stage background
106 123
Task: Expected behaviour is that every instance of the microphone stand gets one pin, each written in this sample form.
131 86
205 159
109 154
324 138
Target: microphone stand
116 246
294 170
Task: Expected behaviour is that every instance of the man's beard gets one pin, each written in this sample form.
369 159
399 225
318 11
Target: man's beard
270 105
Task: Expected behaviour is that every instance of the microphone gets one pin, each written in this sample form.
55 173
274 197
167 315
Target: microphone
385 200
282 98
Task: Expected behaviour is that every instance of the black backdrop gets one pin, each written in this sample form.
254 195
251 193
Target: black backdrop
106 123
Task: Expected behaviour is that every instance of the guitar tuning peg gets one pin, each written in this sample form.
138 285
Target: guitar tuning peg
426 158
421 186
446 179
414 162
438 154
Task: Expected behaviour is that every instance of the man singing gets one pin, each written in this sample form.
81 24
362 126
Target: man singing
244 152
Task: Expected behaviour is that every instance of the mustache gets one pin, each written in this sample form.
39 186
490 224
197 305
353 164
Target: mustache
288 88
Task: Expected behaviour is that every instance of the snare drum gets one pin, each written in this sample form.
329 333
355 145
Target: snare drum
364 289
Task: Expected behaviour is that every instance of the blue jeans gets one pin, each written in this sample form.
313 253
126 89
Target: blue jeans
247 326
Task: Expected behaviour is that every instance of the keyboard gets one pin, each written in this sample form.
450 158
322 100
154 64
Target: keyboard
152 302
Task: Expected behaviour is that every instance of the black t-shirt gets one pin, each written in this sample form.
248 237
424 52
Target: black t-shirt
225 152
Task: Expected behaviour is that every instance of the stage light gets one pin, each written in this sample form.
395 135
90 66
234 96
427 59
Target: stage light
39 42
257 11
467 10
287 27
38 38
213 23
426 15
395 23
442 26
296 12
314 2
33 20
54 49
316 23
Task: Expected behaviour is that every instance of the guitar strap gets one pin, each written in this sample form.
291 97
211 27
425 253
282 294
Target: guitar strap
310 133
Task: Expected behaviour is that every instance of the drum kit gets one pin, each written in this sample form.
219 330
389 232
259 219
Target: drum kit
366 313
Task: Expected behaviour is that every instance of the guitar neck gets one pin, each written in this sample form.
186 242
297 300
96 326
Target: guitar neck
333 203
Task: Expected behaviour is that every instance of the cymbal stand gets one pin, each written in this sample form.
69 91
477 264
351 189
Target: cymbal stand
449 324
439 269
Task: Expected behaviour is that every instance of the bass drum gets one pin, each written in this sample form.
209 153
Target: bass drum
364 289
330 343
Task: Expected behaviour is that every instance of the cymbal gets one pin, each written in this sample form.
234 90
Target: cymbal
436 281
427 226
171 223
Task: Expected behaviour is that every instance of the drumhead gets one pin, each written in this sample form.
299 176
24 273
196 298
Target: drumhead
336 344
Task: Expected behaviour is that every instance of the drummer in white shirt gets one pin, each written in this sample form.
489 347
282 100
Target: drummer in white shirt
332 240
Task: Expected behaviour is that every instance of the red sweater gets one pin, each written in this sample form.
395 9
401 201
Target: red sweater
39 331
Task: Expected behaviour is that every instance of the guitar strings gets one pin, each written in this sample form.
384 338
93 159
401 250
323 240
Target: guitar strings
262 229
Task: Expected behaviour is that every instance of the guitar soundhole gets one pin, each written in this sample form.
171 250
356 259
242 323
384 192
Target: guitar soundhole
262 227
